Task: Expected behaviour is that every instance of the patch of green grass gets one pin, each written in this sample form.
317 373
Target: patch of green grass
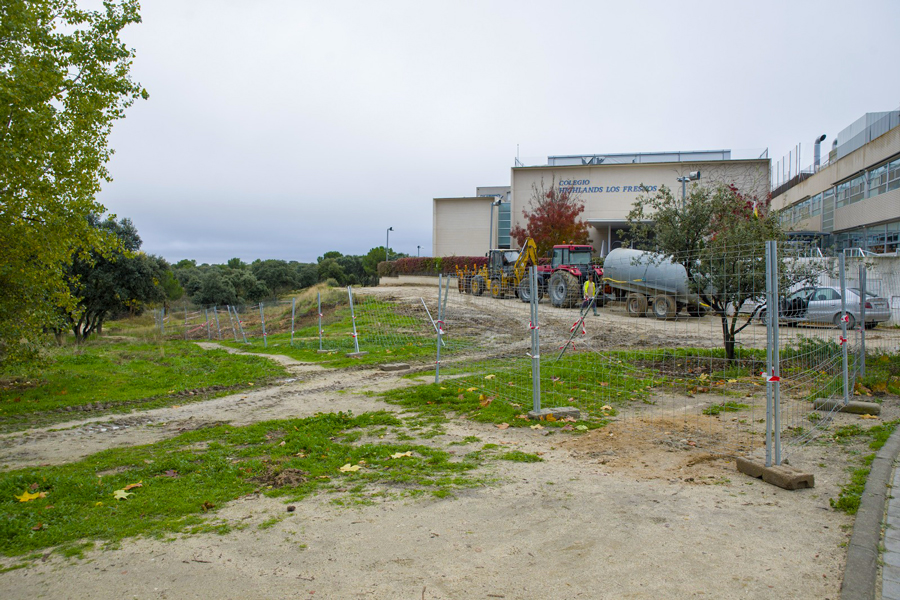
270 522
849 498
501 396
519 456
729 406
847 432
184 480
384 330
119 377
469 439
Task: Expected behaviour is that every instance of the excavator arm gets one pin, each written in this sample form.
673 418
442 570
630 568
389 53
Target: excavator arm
527 258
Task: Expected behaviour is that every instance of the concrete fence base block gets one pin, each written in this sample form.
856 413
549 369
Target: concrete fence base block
324 351
854 407
355 354
783 476
558 413
394 367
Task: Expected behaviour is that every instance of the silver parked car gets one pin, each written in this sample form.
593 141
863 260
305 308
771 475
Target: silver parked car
822 304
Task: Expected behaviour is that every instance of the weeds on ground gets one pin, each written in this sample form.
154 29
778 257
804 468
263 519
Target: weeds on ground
123 376
717 409
849 498
176 485
383 331
476 402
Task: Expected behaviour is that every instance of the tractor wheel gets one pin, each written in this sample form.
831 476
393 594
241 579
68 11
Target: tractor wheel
563 289
664 307
525 290
478 285
636 305
497 289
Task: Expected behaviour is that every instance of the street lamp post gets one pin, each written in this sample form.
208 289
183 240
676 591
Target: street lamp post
387 244
418 251
692 176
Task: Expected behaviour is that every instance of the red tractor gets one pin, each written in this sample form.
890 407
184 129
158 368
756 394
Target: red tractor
563 280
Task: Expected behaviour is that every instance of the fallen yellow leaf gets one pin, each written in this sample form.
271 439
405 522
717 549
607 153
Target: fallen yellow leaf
537 426
867 417
28 497
489 377
471 389
550 418
401 454
606 407
348 467
121 495
131 486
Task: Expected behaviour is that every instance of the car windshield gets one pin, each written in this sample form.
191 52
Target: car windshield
579 258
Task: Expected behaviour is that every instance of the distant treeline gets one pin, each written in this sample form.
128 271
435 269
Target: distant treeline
237 282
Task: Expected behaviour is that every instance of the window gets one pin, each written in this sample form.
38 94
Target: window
857 188
892 238
875 238
893 178
878 180
803 209
827 294
815 205
842 194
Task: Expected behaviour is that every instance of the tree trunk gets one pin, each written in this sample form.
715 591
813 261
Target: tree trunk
727 338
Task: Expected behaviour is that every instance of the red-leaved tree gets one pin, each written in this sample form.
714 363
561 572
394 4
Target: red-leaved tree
552 218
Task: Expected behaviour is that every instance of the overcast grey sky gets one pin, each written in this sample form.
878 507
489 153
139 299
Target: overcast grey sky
285 128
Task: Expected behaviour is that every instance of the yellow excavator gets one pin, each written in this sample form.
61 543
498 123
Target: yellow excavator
504 274
507 269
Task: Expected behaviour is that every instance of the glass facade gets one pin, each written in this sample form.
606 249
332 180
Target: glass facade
504 222
878 180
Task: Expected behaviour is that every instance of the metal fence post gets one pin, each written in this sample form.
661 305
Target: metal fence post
773 367
862 319
845 359
208 332
319 303
240 325
262 318
535 343
293 313
216 315
230 320
440 330
353 320
185 321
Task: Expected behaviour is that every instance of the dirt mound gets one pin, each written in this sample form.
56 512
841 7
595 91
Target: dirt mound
279 478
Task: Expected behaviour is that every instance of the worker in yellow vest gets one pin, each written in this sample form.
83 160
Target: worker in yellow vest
590 290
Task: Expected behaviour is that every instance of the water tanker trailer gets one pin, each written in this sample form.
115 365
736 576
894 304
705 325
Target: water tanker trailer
650 284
